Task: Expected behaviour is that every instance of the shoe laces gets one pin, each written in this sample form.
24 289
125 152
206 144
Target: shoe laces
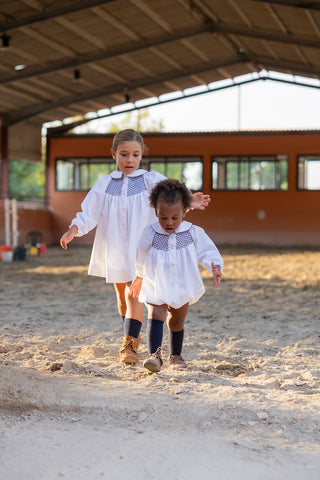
177 357
157 353
128 344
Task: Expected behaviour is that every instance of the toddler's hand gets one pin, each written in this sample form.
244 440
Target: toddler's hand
216 270
135 287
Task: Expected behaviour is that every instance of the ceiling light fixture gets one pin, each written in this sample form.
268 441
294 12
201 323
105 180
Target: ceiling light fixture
19 67
5 41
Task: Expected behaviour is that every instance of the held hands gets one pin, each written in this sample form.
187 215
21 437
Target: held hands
200 201
68 236
135 287
216 270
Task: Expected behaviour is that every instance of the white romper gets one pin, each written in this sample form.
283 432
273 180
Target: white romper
118 205
168 264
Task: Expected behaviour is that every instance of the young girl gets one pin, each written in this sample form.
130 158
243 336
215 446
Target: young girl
118 206
168 277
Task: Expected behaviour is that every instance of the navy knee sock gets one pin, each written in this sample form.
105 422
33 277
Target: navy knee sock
131 327
175 342
154 334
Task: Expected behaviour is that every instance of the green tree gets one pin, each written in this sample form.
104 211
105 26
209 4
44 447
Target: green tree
27 180
140 120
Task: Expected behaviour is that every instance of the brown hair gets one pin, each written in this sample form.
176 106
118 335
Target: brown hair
127 135
170 191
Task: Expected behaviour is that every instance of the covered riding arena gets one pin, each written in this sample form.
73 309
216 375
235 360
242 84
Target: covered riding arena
247 405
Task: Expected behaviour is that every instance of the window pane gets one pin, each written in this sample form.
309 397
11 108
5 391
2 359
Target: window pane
158 167
215 175
84 176
232 175
282 182
312 175
265 172
192 175
91 173
268 176
174 170
64 175
309 173
255 175
188 172
244 176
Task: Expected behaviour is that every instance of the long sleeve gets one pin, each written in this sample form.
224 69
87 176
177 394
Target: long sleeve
91 207
144 245
206 250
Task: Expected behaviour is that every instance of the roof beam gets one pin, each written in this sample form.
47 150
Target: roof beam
284 65
294 3
284 29
152 14
263 35
97 56
55 45
178 35
53 131
313 23
48 14
21 115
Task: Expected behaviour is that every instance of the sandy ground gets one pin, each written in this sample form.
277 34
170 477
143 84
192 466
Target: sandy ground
247 406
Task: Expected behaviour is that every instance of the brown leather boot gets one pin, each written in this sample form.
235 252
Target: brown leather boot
136 343
128 351
154 361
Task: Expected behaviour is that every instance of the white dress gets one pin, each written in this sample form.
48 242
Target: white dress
168 264
118 205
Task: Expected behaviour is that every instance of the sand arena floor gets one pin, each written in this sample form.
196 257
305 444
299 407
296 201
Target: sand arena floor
247 406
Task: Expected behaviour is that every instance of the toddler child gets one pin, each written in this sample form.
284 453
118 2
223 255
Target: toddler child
168 278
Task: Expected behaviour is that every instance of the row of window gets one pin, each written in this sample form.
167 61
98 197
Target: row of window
228 173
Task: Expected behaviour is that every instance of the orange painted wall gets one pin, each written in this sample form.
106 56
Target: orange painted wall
29 220
291 217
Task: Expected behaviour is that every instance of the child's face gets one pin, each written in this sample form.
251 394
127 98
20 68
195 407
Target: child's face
128 156
170 216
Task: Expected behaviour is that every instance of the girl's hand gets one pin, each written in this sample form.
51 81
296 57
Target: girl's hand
135 287
68 236
200 201
216 270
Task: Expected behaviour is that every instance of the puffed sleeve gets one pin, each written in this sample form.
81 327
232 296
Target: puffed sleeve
144 245
91 207
206 250
152 178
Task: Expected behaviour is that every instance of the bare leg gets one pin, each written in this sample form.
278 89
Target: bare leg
157 312
121 299
134 307
176 317
132 325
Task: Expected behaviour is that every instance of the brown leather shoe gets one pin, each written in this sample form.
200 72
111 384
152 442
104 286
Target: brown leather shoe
128 351
154 361
177 361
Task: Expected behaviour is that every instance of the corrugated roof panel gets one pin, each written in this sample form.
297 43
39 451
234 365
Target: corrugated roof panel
133 44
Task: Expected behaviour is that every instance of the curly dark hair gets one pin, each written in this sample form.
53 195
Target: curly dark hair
170 191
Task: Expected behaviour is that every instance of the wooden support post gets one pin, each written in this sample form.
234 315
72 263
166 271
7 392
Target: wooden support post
4 186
